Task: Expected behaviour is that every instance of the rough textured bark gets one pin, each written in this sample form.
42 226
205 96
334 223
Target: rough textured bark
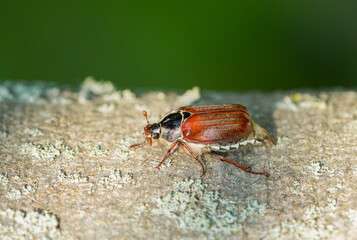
66 169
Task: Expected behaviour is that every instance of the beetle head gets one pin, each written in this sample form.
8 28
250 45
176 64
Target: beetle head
152 131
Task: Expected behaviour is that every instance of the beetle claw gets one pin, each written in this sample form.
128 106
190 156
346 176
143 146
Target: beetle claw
203 172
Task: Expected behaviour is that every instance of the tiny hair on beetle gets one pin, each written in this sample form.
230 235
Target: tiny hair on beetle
208 128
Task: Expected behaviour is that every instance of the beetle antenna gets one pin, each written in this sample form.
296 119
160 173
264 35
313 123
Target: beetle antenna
146 116
148 139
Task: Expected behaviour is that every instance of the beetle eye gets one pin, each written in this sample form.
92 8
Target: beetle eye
155 136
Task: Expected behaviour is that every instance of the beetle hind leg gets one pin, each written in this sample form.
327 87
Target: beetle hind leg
246 169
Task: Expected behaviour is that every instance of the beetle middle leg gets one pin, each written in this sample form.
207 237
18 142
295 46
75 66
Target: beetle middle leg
173 148
193 155
240 166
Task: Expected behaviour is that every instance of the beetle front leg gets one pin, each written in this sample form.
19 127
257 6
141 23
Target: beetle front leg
240 166
147 140
172 149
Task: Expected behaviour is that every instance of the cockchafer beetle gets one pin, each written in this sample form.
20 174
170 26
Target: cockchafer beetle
209 128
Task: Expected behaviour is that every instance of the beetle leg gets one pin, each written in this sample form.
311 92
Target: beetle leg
138 145
172 149
147 140
240 166
193 155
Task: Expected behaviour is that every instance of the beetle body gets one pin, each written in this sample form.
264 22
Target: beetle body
209 128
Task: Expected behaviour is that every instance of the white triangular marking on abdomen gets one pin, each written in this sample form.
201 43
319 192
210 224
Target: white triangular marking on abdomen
225 147
215 147
236 146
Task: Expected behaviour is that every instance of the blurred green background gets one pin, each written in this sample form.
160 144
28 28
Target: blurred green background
219 45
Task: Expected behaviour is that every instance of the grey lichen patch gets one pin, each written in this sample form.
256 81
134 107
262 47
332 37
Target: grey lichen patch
4 179
3 135
198 210
106 108
78 180
14 187
5 94
166 164
28 189
352 126
97 150
30 225
19 192
56 96
351 215
46 151
22 92
303 100
73 178
114 180
283 140
33 132
318 169
38 93
122 149
14 193
106 91
315 223
97 87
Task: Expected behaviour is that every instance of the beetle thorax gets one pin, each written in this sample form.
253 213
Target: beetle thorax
171 126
